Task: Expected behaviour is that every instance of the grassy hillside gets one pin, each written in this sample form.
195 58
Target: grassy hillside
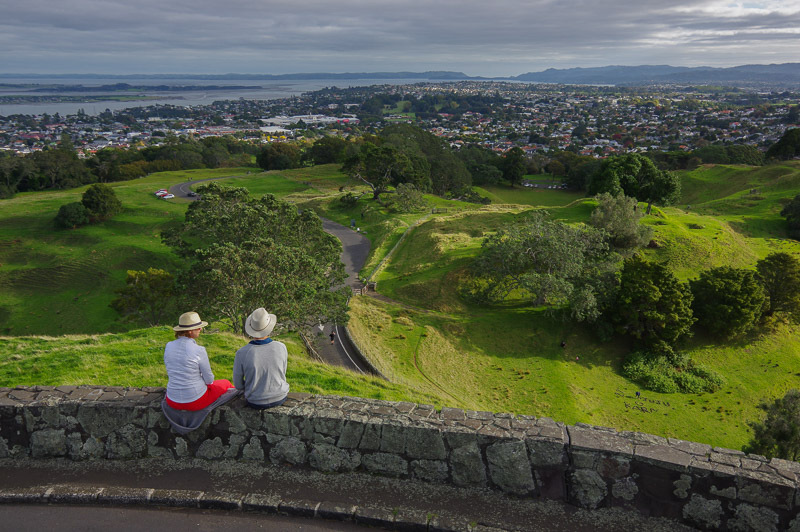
136 358
510 357
434 346
57 281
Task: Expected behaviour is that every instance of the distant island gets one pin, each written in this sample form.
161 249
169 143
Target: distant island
785 74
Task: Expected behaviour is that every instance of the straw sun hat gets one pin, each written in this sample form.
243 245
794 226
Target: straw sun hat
260 323
189 321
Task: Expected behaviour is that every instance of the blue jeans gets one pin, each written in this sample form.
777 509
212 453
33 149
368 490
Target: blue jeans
270 405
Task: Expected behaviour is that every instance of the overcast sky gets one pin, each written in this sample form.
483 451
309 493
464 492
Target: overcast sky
488 37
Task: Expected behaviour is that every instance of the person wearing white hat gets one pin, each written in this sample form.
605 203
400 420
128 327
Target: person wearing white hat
259 368
191 384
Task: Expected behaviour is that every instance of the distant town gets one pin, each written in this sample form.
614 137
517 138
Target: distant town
538 118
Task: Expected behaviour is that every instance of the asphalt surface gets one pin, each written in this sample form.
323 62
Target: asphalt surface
103 518
356 499
355 248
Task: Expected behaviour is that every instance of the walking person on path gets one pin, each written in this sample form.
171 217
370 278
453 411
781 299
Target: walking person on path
333 336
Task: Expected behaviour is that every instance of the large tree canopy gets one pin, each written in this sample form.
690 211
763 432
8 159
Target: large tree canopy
244 253
651 304
779 274
778 436
407 154
727 301
636 176
549 262
788 147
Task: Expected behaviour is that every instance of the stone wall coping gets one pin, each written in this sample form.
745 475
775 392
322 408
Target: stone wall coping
522 455
581 436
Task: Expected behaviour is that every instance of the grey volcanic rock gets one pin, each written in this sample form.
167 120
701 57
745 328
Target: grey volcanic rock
48 442
703 512
289 450
211 449
468 467
329 458
750 518
587 488
385 464
253 450
509 467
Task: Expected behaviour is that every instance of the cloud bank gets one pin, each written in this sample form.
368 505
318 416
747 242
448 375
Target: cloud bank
501 37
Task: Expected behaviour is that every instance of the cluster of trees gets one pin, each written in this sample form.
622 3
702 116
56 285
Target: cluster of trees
405 154
98 203
579 269
241 253
788 147
712 154
61 168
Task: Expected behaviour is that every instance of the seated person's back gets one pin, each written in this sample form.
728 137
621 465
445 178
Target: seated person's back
260 366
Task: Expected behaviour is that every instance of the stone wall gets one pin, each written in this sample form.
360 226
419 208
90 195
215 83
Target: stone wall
523 456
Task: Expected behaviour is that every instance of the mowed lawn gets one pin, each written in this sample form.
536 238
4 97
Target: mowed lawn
509 357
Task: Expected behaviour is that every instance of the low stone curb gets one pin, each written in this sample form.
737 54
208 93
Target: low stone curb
394 519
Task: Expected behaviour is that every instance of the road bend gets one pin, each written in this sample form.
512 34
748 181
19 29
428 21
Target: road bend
338 351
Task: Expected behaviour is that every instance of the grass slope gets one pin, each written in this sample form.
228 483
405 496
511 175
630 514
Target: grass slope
56 281
509 358
136 358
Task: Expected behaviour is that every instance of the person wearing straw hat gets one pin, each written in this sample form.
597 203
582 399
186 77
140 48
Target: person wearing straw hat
259 368
191 384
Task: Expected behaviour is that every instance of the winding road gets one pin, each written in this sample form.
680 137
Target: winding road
355 248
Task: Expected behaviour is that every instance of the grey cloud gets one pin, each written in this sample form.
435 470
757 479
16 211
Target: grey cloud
505 36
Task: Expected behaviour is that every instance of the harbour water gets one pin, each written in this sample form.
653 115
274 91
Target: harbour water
261 90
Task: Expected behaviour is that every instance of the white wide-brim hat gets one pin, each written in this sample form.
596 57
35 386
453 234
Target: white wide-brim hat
260 323
189 321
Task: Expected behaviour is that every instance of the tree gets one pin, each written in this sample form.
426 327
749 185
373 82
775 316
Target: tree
148 296
727 301
636 176
327 150
788 147
651 305
408 198
72 215
278 156
617 215
550 263
101 201
792 214
243 253
514 165
779 273
380 167
778 436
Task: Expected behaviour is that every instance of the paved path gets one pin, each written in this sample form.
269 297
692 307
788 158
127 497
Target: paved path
178 488
355 248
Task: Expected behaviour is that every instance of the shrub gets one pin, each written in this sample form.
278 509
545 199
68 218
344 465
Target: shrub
72 215
656 372
101 201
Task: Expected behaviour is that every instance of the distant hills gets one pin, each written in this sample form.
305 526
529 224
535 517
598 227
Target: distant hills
775 74
785 75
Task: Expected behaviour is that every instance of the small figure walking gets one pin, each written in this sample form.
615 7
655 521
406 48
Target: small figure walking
563 345
577 359
333 336
638 394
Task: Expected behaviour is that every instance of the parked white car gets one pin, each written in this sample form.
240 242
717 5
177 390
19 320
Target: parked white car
168 196
161 193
